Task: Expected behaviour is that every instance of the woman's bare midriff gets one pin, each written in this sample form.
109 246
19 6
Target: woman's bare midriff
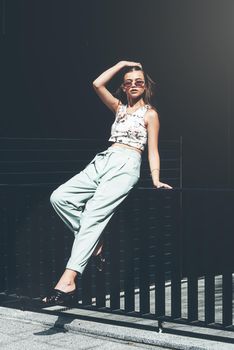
126 146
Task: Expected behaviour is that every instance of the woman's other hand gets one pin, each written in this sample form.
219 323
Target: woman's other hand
159 184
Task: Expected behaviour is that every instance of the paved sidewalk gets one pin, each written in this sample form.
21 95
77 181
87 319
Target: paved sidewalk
25 329
18 335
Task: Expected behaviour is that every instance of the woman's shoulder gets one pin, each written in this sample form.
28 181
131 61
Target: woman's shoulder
151 114
151 108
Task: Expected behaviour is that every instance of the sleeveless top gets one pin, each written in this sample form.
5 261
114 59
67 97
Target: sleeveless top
130 128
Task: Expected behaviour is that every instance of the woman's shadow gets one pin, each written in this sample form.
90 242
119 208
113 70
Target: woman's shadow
58 327
60 324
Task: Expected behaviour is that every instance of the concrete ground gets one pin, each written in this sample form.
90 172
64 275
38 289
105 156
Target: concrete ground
86 329
20 335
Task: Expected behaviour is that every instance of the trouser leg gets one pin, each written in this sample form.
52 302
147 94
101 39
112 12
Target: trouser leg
70 198
98 211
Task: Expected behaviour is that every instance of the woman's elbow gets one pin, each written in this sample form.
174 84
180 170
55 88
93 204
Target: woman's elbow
95 85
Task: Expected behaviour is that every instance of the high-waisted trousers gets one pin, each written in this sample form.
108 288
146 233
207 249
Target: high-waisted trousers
88 200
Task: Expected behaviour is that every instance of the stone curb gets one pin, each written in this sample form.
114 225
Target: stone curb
115 332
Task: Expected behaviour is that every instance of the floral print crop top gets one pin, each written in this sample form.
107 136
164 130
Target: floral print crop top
130 128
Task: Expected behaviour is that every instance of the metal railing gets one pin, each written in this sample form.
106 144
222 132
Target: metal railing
53 160
169 253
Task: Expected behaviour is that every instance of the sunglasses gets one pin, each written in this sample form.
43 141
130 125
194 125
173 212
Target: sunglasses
138 83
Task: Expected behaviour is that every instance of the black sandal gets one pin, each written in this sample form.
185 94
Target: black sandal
58 297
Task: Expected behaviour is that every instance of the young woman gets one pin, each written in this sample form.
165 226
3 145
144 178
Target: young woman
88 200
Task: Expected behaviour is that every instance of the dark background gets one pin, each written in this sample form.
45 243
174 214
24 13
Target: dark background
54 49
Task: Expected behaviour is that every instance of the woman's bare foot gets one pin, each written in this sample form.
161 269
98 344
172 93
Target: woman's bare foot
66 283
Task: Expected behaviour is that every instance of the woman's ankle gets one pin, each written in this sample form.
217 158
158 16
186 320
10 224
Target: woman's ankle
65 286
67 281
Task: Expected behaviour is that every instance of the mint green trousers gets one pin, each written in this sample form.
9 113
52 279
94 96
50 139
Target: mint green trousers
88 200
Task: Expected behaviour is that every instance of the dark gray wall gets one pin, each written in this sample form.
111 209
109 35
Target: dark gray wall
55 48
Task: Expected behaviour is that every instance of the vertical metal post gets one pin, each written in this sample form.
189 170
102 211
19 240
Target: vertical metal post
86 286
144 255
159 263
129 284
227 299
3 17
228 113
209 298
115 262
192 298
176 257
100 289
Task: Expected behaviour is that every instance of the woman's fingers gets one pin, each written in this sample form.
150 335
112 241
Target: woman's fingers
167 186
131 63
164 186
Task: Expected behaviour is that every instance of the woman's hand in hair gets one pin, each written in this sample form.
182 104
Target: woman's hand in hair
130 63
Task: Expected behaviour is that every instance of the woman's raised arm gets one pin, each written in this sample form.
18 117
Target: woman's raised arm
99 84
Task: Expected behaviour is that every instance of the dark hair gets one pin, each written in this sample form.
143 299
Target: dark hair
148 93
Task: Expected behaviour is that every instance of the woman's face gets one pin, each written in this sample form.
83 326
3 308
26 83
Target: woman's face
134 84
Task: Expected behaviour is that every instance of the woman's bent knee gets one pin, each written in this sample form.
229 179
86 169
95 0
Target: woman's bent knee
55 197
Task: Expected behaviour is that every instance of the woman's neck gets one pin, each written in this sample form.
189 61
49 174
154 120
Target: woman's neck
135 103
